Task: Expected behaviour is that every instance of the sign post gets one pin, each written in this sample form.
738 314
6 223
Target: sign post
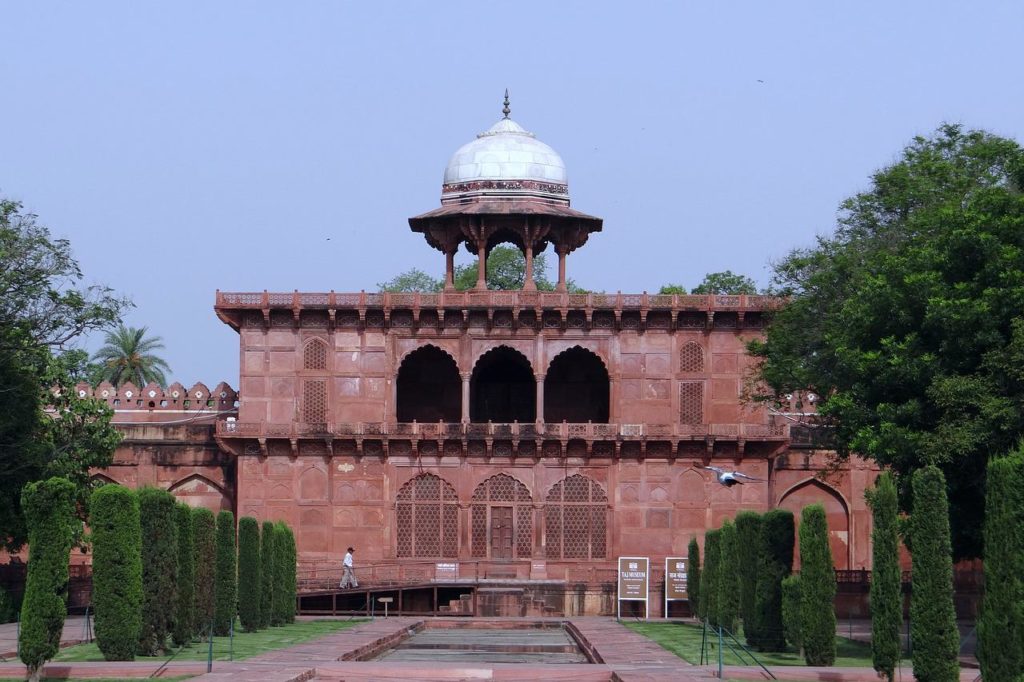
634 578
675 580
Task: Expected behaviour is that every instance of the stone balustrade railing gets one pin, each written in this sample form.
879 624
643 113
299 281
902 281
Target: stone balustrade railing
495 299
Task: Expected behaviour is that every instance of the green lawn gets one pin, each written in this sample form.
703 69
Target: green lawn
684 639
246 644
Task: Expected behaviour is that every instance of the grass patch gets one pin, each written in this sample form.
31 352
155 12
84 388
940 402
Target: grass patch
246 644
684 640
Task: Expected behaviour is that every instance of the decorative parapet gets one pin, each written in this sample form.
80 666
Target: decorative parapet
175 397
521 308
514 431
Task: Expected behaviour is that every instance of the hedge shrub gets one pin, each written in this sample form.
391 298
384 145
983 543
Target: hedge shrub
693 576
225 575
774 563
791 611
932 618
709 581
1000 627
204 538
116 570
290 574
886 590
748 536
728 578
250 586
185 613
817 588
49 509
266 573
158 519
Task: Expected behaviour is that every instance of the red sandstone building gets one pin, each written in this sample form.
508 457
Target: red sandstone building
516 438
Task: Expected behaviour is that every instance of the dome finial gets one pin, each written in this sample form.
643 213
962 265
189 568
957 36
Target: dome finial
506 109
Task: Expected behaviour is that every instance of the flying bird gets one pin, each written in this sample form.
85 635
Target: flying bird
731 478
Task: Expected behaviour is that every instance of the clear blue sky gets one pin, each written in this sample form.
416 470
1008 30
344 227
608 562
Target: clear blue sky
184 147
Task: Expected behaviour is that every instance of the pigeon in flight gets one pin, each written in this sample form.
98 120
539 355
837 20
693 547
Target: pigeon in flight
731 478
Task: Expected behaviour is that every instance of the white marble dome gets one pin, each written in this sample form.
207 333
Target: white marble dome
506 152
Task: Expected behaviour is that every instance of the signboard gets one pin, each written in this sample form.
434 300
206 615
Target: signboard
446 571
675 580
634 579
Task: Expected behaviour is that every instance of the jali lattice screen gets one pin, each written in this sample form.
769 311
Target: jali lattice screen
576 519
427 516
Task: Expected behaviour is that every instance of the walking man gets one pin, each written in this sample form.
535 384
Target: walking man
348 578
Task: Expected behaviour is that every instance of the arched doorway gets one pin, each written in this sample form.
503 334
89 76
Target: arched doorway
429 388
503 388
502 519
838 517
576 388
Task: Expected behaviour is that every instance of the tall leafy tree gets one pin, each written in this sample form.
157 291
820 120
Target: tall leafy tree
932 617
725 282
748 535
128 354
116 570
1001 626
728 577
159 569
412 280
48 507
44 309
907 320
693 577
225 575
886 588
817 588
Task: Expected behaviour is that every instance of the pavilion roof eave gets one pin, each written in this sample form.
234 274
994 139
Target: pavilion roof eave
504 208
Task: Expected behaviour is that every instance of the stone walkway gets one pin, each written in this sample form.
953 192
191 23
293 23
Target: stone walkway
73 628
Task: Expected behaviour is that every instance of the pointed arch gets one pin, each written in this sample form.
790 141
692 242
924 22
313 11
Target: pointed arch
577 388
837 513
428 385
502 519
197 490
314 354
98 479
502 387
427 518
576 519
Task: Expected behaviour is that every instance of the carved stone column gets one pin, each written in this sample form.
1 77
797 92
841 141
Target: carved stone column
449 268
466 376
481 266
540 397
528 283
562 251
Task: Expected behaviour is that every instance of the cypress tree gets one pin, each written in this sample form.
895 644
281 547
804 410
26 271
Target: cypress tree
225 593
932 618
250 586
266 573
817 588
886 595
748 537
693 576
204 538
1000 628
728 578
791 611
185 613
774 563
709 584
48 507
116 570
159 568
290 575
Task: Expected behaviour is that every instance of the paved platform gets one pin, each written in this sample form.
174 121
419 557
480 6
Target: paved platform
621 655
73 631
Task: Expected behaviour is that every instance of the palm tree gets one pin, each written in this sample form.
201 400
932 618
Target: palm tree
127 355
